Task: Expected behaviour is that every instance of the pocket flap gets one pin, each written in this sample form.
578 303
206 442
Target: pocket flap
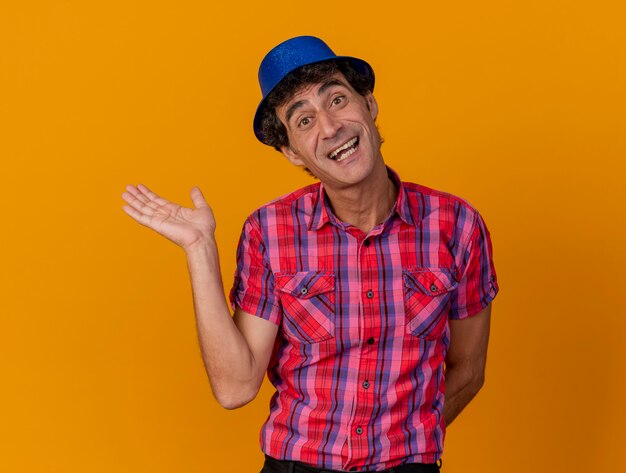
432 282
305 284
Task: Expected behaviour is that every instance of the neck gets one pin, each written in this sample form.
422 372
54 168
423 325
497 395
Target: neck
367 205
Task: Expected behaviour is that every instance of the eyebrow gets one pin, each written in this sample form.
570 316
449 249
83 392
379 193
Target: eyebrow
326 85
329 84
293 109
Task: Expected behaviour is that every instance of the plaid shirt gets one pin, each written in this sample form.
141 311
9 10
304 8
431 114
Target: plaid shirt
358 363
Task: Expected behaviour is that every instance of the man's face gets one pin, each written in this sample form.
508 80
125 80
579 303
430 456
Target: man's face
332 132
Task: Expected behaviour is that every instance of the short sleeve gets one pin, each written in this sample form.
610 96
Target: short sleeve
253 288
478 285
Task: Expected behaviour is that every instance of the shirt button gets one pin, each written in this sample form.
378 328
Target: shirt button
370 341
304 290
370 294
359 430
367 243
433 288
366 384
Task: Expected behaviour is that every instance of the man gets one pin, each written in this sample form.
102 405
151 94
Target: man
351 293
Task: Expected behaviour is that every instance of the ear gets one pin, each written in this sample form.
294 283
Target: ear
372 105
291 155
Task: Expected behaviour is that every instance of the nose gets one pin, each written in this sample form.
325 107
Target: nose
329 124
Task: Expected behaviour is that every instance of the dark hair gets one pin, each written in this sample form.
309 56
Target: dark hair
273 130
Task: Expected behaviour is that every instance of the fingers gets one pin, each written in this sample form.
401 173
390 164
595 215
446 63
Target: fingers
151 195
141 197
139 203
140 217
198 198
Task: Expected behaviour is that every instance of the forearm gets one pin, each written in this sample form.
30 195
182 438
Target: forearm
463 381
228 361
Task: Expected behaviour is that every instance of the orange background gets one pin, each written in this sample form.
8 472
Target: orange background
517 106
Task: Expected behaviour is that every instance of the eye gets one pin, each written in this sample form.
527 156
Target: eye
338 100
304 122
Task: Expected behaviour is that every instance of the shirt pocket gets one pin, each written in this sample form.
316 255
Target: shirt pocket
308 301
427 298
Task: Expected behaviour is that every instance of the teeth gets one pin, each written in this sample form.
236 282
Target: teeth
341 148
345 155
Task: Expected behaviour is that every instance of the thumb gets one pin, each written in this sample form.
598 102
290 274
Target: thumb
197 198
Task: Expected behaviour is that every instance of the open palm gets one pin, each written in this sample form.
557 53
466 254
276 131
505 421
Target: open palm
184 226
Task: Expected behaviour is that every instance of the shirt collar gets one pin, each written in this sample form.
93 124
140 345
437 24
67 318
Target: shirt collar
322 214
402 206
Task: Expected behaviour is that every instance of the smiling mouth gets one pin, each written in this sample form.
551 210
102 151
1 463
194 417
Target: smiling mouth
344 150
